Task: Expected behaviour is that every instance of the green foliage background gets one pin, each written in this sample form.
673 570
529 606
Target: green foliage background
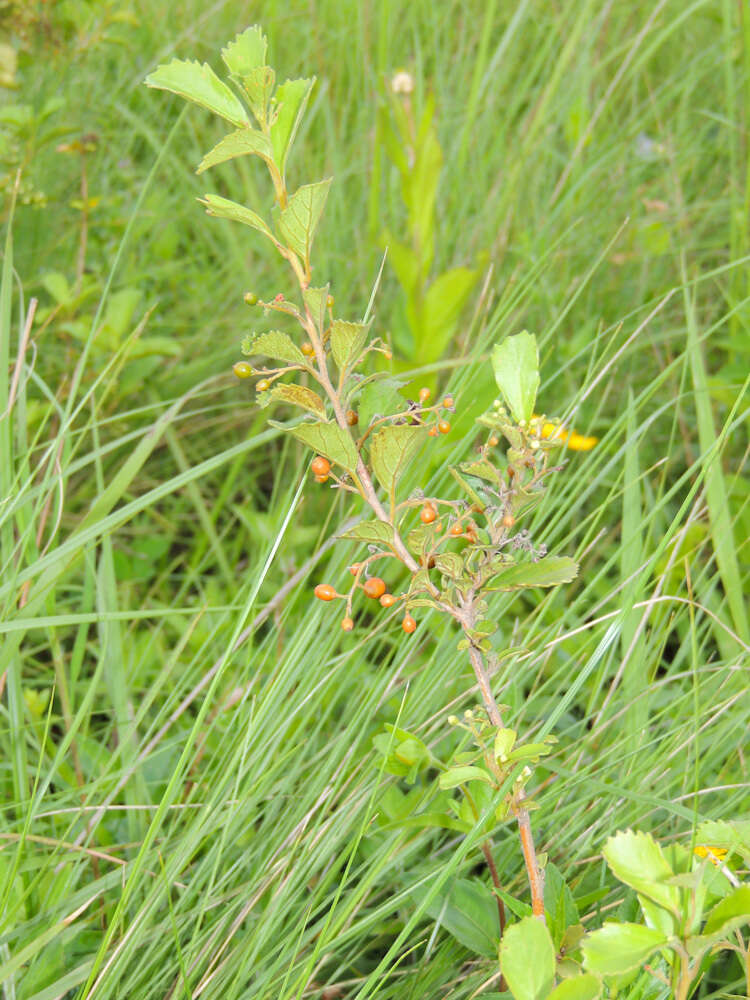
183 815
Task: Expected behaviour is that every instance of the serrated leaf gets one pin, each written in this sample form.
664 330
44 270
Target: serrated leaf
455 776
392 450
223 208
290 101
299 220
316 300
638 861
328 439
246 52
527 959
516 365
299 395
468 911
548 572
618 948
450 564
730 913
380 398
347 341
258 84
584 987
274 344
374 532
243 142
199 84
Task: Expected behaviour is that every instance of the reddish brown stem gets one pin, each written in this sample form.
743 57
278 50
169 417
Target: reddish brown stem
533 872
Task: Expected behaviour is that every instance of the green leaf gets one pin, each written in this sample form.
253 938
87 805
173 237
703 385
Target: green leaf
290 101
455 776
527 959
380 398
585 987
347 341
374 532
246 52
516 365
548 572
450 564
57 286
730 913
274 344
316 300
223 208
243 142
638 861
298 221
258 84
443 304
505 740
529 751
299 395
392 450
468 911
482 469
560 907
416 540
199 84
618 948
331 441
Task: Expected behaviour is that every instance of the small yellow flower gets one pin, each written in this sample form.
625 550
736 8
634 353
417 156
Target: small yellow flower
714 854
556 432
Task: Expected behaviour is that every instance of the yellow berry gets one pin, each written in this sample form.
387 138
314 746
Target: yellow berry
242 369
347 624
263 385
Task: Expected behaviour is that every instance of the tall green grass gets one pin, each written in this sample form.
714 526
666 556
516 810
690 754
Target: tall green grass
190 800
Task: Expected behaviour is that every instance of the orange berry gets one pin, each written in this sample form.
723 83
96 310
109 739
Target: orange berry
352 418
325 592
448 402
374 587
242 369
387 600
508 521
388 355
437 527
424 395
493 441
320 466
444 427
428 514
321 479
347 624
263 385
307 349
408 624
433 432
355 568
456 529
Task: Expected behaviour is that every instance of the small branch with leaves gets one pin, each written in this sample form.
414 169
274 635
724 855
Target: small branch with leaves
451 554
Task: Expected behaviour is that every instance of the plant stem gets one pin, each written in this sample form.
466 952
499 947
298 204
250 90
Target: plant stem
536 879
